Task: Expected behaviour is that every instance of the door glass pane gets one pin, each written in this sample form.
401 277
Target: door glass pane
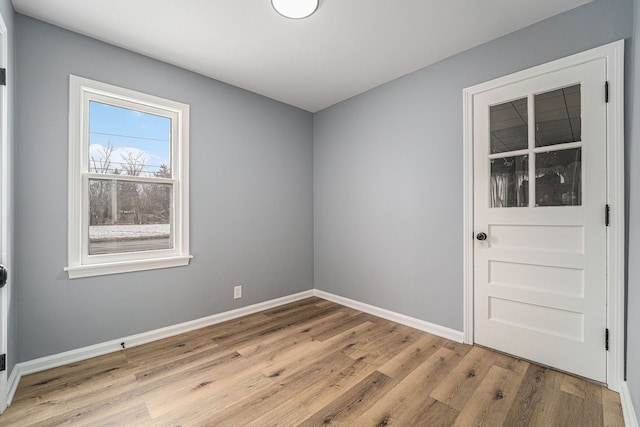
559 178
128 142
558 116
509 182
508 126
129 216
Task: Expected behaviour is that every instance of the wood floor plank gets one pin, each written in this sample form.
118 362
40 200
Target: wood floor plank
212 396
324 302
249 406
403 363
529 395
290 336
544 413
411 393
353 402
136 416
612 409
285 387
223 381
581 389
180 344
89 413
575 411
490 403
290 360
287 414
133 416
349 322
167 348
431 413
73 398
242 337
460 384
323 392
310 362
387 345
191 364
294 307
74 373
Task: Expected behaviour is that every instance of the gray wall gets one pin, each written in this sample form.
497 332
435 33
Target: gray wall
633 182
388 169
6 9
251 199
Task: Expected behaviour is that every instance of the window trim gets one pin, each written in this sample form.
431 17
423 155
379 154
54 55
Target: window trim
80 263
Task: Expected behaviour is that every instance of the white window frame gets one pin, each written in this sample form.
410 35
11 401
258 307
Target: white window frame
80 264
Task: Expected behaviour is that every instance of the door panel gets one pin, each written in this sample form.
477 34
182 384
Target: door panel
539 196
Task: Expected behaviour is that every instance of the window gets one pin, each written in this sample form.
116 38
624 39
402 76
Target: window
128 180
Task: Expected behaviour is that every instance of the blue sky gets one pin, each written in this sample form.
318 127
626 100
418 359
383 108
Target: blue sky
129 131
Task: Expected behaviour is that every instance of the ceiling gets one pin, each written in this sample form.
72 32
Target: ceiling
345 48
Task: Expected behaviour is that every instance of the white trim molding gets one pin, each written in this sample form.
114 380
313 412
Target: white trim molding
614 55
422 325
630 418
12 384
81 262
616 229
6 196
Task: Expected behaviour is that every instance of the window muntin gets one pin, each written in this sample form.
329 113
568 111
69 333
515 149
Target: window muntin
128 180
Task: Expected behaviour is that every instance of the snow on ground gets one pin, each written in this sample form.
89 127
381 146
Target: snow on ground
126 232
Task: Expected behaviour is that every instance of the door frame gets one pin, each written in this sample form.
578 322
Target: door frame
5 190
614 55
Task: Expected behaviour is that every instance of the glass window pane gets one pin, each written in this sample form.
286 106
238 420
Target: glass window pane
509 182
508 127
128 142
129 216
558 116
559 178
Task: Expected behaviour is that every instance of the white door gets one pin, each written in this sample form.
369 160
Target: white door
4 199
539 218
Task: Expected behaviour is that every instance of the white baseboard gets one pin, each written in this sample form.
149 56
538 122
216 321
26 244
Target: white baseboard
630 418
60 359
12 383
450 334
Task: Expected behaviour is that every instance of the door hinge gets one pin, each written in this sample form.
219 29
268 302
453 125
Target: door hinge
607 211
3 362
606 91
606 339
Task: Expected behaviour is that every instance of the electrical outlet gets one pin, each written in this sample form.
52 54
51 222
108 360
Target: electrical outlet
237 292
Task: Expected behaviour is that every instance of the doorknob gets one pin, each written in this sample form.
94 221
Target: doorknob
481 236
3 276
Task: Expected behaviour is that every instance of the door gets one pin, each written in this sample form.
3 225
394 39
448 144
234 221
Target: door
539 191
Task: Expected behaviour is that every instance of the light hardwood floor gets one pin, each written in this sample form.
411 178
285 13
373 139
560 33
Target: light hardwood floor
309 363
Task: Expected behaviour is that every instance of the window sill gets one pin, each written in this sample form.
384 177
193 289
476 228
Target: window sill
126 266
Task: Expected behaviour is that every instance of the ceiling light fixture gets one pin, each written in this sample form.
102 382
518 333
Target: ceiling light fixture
295 9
